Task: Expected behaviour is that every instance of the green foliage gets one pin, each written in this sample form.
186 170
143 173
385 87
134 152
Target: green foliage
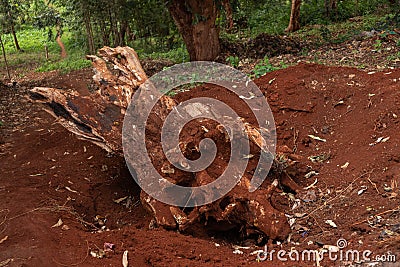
176 55
11 13
378 44
264 67
233 61
30 40
33 40
340 32
74 61
258 17
394 57
47 19
315 11
76 57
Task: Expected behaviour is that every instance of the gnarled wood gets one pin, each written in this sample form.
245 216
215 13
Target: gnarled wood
98 118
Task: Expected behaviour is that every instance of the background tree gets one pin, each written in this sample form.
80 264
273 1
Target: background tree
4 57
9 12
294 23
49 19
196 21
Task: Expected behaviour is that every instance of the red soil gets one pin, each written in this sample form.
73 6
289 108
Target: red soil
48 174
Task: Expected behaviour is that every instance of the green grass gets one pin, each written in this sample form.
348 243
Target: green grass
177 55
75 61
32 41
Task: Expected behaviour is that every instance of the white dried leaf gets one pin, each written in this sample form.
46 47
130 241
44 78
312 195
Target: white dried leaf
331 223
362 190
4 239
70 190
310 174
317 138
237 252
312 185
299 215
119 200
344 166
58 224
125 262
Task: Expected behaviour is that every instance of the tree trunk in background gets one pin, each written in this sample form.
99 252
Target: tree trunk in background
294 23
89 31
5 58
331 5
105 34
229 13
122 32
15 38
62 47
195 20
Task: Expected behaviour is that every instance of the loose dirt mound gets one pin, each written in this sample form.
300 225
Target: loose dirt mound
48 174
261 46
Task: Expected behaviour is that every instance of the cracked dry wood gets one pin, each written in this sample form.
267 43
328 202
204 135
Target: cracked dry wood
98 118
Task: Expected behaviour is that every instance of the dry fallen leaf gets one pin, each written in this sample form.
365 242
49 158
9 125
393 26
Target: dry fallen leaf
362 190
331 223
70 190
97 253
344 166
58 224
4 239
5 262
125 259
119 200
316 138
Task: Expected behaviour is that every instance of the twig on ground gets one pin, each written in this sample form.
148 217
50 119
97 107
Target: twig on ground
339 195
295 137
374 184
295 109
379 214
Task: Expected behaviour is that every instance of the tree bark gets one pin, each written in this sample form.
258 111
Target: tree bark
99 118
5 58
15 37
294 23
89 31
229 13
195 20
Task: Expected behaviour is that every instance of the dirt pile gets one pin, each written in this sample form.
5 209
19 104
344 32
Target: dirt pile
261 46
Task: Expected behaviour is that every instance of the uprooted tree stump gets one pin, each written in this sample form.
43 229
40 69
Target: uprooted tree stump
98 118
